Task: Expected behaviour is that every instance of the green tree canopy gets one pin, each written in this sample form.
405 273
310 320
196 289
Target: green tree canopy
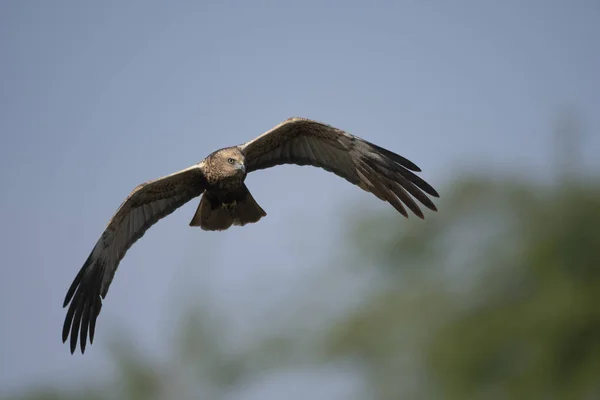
495 297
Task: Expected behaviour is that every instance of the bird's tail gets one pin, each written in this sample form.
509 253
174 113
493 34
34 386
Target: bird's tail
215 215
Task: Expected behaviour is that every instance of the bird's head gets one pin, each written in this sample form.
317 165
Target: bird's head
230 162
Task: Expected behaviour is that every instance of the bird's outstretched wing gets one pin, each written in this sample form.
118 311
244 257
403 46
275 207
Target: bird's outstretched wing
147 203
302 141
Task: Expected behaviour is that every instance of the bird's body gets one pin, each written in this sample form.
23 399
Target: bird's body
226 201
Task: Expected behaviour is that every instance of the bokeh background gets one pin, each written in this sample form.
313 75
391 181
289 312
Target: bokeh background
333 295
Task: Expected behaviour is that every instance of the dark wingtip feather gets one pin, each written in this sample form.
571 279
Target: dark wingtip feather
403 181
67 323
84 327
432 191
75 329
417 194
418 213
403 195
387 163
74 285
419 182
95 311
398 206
85 305
383 191
397 158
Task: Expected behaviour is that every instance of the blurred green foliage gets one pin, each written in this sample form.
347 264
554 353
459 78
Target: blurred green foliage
497 298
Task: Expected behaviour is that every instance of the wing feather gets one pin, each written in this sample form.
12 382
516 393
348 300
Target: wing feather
377 188
146 205
389 176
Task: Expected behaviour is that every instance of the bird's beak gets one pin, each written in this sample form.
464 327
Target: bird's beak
242 167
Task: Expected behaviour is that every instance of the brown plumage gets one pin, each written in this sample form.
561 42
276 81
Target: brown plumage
226 201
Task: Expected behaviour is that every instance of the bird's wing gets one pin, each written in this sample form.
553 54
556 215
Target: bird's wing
147 203
302 141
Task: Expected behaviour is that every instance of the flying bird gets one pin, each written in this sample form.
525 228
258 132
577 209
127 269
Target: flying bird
226 200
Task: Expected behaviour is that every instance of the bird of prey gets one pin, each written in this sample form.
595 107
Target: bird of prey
226 201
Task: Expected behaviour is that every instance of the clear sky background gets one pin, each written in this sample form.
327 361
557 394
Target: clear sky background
97 97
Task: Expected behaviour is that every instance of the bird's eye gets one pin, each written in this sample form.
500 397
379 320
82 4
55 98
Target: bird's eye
230 160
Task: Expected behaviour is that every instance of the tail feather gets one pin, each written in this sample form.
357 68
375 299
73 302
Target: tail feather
247 211
213 214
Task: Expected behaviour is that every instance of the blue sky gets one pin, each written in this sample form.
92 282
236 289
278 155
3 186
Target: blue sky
99 97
